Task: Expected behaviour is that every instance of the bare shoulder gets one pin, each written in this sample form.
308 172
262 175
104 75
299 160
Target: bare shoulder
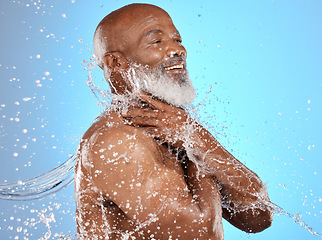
111 126
111 129
109 144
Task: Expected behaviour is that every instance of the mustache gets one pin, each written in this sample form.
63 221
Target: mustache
174 60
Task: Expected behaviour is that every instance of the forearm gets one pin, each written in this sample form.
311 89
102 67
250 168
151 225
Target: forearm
243 194
238 184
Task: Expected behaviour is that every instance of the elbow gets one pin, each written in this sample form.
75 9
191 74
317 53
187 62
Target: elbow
251 220
260 222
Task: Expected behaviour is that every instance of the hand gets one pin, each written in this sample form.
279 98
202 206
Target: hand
163 121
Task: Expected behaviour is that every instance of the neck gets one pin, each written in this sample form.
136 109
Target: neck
127 101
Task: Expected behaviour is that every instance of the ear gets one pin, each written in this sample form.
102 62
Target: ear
115 61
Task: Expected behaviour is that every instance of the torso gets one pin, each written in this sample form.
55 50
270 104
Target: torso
96 213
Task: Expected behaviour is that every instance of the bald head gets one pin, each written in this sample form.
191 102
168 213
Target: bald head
139 49
112 32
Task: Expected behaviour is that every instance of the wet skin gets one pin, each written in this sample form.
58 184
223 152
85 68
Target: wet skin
135 175
145 177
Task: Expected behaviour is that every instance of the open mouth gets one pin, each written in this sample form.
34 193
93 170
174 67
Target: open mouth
179 67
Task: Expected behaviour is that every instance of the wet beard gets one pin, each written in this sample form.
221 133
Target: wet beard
177 92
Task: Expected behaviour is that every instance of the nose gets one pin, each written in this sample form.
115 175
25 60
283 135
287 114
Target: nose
175 49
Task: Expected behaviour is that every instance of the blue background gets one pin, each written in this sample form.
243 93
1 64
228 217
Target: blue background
262 58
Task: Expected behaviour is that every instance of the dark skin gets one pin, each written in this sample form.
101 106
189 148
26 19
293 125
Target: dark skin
137 172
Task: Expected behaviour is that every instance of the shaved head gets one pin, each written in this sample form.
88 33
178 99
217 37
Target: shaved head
139 49
111 32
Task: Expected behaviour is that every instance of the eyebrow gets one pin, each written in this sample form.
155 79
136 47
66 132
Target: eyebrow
153 31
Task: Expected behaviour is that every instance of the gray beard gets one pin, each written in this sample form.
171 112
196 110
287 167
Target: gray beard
161 85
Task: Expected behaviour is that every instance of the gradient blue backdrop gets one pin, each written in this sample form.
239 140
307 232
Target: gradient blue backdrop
262 58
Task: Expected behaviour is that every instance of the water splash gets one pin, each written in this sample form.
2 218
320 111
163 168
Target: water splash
103 96
42 185
277 210
61 176
47 220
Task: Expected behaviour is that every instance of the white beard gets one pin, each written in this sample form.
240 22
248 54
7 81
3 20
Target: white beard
161 86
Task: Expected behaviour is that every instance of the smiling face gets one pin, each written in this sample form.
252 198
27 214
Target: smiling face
153 41
139 48
159 46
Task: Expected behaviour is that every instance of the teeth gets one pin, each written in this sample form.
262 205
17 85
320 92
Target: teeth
180 66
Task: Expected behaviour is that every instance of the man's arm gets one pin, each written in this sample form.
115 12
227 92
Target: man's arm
244 196
243 193
127 168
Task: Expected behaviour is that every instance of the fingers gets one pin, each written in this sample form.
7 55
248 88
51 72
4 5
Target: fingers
159 105
143 122
137 112
154 103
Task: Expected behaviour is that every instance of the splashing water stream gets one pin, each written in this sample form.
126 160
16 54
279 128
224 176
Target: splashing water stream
61 176
42 185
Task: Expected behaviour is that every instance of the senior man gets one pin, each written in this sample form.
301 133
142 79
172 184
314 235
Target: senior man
146 169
